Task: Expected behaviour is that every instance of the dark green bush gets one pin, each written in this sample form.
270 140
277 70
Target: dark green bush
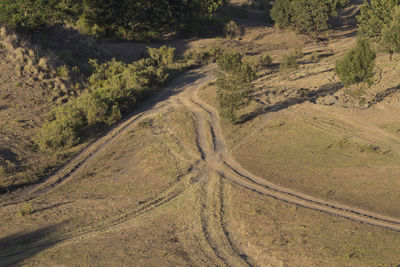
308 16
358 64
234 84
232 93
281 13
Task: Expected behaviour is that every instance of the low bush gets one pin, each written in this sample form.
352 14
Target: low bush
62 130
203 56
230 61
114 88
288 63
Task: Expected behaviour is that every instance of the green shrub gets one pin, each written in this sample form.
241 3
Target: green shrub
63 71
26 209
358 64
288 63
230 61
63 130
114 88
164 56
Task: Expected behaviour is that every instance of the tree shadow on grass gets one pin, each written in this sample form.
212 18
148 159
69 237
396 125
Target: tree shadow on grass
324 90
17 247
382 95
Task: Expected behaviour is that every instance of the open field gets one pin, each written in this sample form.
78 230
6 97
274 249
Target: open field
309 178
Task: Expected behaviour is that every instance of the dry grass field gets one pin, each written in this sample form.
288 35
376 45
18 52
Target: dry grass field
309 178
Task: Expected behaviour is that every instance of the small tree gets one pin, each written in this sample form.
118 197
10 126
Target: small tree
391 33
232 95
358 64
234 84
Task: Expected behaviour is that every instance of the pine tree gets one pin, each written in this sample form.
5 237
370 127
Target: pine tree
374 16
391 33
358 64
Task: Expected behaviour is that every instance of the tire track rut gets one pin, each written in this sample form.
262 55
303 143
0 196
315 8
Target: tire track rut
215 159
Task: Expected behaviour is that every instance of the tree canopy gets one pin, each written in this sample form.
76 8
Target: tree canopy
123 18
305 15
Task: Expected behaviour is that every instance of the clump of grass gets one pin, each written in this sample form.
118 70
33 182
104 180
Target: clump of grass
146 123
26 209
298 52
314 57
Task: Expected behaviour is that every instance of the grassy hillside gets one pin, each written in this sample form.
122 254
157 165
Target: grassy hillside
134 161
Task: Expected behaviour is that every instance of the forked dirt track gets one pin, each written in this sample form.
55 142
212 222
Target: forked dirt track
215 159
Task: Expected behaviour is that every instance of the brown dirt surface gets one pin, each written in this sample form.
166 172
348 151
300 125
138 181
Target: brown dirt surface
309 178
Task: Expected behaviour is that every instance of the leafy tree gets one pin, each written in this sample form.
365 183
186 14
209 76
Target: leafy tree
311 15
281 13
374 15
31 15
232 95
391 33
234 84
103 18
358 64
305 15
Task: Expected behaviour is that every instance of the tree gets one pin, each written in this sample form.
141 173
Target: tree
374 16
391 33
234 84
305 15
311 15
280 13
358 64
104 18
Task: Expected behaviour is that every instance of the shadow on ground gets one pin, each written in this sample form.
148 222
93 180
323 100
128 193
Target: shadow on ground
17 247
324 90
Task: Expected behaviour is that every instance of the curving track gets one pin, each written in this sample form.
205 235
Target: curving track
215 158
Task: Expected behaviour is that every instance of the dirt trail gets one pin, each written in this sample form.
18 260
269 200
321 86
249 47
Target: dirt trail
215 158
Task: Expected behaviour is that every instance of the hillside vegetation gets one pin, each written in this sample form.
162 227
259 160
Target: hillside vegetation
199 133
